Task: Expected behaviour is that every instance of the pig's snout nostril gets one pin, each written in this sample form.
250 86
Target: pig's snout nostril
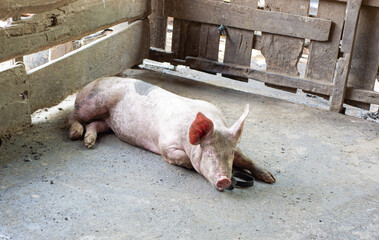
223 182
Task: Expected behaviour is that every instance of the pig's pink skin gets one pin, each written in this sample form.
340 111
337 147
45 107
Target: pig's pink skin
152 118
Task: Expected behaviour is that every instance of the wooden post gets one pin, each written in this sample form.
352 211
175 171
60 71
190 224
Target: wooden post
365 57
343 63
158 25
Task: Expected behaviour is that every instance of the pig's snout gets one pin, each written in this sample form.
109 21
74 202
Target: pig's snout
223 182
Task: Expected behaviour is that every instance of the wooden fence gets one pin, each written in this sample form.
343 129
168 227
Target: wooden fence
342 62
343 42
55 22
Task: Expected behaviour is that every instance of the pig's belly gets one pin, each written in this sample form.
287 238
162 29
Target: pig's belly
132 122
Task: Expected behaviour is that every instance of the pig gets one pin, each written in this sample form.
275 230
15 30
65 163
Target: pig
186 132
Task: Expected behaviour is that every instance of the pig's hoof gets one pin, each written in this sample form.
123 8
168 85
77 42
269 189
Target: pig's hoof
265 176
76 131
90 139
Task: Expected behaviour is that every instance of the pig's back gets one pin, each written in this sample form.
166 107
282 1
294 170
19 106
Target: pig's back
138 116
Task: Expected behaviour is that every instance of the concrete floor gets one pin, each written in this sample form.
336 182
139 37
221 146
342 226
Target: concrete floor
326 166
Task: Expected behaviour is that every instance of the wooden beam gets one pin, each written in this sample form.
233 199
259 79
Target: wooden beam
343 64
70 22
16 7
14 101
319 87
163 56
361 95
51 83
262 76
324 88
248 18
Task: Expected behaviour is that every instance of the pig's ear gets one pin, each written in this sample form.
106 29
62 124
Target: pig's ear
200 128
236 129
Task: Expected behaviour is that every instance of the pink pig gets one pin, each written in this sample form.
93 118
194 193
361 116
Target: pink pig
186 132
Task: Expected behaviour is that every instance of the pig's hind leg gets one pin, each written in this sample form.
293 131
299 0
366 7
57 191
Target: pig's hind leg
90 110
92 130
76 128
244 162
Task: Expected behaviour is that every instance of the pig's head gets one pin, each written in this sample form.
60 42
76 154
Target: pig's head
215 152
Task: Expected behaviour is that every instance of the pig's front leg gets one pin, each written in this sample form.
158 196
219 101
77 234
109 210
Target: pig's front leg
176 156
244 162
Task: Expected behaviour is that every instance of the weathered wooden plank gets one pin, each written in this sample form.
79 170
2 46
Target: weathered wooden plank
282 53
249 18
238 46
10 8
185 38
373 3
175 44
361 95
14 102
365 59
323 55
262 76
158 25
209 42
239 42
70 22
107 56
324 88
159 55
349 31
343 64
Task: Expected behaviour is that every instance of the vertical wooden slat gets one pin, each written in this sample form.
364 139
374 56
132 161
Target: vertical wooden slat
365 58
343 63
176 29
282 53
209 42
158 25
323 55
185 39
239 42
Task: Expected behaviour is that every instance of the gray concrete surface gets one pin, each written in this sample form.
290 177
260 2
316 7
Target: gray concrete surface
326 166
